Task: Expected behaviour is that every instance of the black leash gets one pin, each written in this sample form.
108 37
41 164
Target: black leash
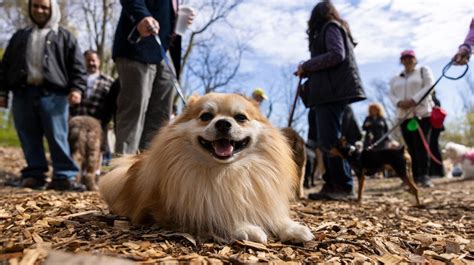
295 101
445 70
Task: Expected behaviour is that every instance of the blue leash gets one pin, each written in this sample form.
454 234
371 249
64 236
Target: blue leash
165 57
445 70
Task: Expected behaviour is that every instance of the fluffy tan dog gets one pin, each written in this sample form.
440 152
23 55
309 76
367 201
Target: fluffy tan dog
220 169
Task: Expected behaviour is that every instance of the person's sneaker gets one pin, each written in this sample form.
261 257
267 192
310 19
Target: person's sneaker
66 185
424 182
33 183
332 194
342 195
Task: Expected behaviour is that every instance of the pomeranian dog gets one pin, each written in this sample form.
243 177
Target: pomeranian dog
85 134
298 149
462 155
220 169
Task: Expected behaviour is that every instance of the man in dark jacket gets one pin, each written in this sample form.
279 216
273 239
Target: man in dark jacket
146 97
44 68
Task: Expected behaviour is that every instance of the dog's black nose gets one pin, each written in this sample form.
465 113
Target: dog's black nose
223 126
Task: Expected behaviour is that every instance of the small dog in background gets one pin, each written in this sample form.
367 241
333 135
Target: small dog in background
219 170
85 134
297 145
368 162
462 155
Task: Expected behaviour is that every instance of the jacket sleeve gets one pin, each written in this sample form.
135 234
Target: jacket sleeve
427 81
76 66
136 9
335 54
366 125
4 65
469 41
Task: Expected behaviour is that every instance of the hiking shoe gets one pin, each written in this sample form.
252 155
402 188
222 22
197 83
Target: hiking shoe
424 181
66 185
333 194
33 183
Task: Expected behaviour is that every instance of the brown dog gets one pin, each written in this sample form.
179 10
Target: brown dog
368 162
297 146
85 134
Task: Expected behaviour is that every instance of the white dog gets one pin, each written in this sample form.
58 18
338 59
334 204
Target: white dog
462 155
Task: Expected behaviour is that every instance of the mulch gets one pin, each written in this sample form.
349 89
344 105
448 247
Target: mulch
49 227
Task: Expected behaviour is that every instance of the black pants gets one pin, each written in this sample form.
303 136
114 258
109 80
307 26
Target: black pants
419 156
435 168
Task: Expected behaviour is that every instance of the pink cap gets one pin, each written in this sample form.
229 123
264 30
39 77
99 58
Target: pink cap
406 53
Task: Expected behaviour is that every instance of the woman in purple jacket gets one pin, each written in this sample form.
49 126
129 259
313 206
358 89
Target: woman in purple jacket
333 83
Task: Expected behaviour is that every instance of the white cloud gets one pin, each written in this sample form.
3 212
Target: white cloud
383 28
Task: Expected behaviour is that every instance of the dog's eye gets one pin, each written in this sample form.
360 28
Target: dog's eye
206 116
240 117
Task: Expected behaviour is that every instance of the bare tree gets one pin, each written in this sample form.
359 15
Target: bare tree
100 17
13 16
381 90
214 68
205 61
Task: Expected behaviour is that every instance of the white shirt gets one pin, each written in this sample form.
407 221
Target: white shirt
91 79
413 86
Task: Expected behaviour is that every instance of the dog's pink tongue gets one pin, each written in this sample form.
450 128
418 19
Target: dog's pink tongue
223 148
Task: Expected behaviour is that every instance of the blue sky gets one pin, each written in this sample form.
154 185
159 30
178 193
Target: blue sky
383 28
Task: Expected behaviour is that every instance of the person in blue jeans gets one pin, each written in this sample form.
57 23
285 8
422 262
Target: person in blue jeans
44 68
333 83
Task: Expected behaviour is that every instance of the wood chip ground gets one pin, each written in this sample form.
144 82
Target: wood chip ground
48 227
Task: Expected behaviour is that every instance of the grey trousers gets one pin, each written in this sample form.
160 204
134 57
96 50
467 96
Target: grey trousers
144 103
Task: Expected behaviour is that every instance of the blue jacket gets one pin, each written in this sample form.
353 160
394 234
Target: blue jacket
147 50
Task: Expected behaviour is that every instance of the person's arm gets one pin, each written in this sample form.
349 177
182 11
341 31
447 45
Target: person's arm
76 71
465 49
4 65
136 9
336 52
139 14
367 124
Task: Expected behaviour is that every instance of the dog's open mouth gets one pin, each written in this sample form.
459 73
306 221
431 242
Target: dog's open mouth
224 148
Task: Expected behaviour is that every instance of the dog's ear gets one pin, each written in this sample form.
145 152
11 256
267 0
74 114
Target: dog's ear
193 99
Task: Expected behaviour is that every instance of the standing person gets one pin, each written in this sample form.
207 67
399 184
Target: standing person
333 83
436 169
375 126
465 50
406 89
95 96
259 95
146 97
44 68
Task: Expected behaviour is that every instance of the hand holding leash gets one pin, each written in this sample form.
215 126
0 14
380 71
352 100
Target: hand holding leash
133 38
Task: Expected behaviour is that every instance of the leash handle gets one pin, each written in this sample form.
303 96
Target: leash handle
295 101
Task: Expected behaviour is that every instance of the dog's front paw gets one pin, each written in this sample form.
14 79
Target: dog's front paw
296 233
250 232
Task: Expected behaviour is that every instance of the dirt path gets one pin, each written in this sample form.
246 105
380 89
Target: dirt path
385 228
